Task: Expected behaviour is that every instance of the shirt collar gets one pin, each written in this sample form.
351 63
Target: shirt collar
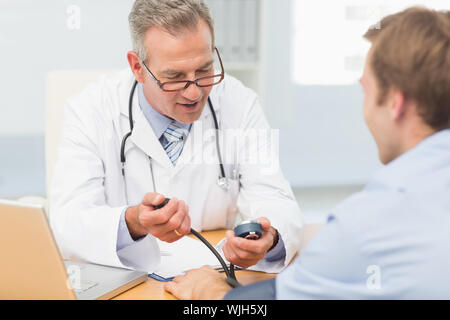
431 153
157 121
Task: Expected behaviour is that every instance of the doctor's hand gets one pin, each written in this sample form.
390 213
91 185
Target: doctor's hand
246 253
169 224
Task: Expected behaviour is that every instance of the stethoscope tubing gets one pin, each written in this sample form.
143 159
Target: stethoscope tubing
130 118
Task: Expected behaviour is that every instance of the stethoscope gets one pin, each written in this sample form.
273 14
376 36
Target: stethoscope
222 180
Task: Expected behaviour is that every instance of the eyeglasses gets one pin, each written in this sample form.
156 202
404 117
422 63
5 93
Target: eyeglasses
172 86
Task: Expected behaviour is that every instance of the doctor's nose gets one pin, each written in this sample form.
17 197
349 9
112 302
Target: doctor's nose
192 92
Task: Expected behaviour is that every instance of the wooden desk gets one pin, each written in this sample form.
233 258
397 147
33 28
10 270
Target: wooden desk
154 290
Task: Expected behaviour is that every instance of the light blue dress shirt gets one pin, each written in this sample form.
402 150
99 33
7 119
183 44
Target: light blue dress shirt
159 124
390 241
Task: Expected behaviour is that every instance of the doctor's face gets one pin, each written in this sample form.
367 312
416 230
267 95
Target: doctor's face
188 56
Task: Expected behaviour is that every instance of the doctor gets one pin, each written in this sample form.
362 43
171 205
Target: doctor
162 129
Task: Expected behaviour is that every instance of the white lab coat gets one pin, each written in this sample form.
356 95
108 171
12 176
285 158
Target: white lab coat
88 191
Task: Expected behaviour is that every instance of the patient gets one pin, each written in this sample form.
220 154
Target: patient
392 240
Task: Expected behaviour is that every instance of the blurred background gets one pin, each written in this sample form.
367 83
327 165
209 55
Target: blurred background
303 58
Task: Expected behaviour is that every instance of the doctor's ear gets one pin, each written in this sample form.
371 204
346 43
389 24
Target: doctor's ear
136 68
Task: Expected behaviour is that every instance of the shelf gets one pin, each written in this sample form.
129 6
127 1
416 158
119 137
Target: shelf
241 66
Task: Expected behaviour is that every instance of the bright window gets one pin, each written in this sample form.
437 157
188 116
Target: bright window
328 47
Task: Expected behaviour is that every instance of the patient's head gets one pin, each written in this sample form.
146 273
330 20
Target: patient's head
406 79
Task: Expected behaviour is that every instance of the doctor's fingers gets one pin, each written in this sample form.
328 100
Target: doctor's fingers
148 217
180 221
241 258
185 227
152 217
265 223
172 236
244 247
152 199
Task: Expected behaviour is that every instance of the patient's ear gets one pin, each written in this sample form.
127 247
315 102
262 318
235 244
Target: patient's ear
136 68
397 104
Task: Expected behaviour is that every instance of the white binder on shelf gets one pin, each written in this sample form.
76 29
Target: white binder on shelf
250 32
233 18
217 9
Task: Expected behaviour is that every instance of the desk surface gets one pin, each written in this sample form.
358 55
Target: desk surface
154 290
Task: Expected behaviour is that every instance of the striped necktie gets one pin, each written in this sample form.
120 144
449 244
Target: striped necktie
175 139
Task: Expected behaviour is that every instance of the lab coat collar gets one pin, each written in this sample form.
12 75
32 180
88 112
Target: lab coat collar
144 137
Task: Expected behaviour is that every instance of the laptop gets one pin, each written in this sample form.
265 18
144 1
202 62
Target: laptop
31 266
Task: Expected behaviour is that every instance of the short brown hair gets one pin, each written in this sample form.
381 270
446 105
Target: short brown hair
411 52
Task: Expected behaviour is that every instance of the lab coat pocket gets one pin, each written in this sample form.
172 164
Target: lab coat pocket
234 185
221 206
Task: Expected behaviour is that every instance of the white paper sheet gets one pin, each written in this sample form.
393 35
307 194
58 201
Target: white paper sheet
183 255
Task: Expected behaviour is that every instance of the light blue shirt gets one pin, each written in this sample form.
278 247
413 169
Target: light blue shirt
157 121
390 241
159 124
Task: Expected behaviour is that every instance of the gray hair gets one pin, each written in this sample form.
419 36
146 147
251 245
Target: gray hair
173 16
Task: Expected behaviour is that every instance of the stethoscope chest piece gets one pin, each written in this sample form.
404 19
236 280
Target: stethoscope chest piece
223 183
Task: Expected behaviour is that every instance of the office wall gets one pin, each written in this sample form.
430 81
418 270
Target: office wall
37 37
323 139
